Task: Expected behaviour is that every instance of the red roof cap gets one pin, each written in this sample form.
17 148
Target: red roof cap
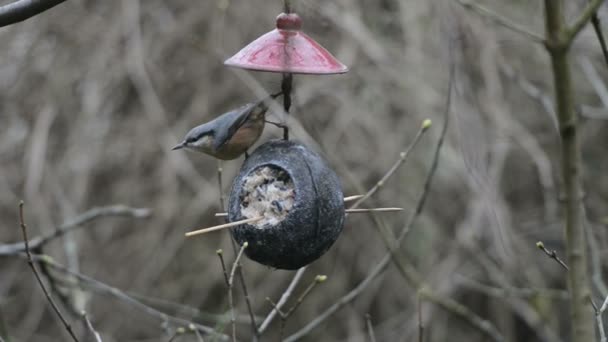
287 49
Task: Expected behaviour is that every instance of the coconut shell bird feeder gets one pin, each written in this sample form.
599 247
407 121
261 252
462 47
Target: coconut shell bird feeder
286 203
299 196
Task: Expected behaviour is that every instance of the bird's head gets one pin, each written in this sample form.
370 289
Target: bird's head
199 139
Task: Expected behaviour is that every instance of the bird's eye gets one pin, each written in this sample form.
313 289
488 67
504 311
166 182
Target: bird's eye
190 140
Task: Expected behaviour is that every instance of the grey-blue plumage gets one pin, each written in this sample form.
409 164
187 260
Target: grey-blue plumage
231 134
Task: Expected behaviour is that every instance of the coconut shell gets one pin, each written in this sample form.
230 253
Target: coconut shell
314 222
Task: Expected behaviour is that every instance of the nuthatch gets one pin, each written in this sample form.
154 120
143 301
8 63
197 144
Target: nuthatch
231 134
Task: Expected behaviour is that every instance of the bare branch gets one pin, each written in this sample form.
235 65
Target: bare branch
597 27
284 316
73 224
21 10
385 261
582 20
90 328
500 20
552 254
123 296
30 262
426 124
235 265
284 297
370 328
420 325
220 254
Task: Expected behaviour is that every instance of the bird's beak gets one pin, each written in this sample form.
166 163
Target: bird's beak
179 146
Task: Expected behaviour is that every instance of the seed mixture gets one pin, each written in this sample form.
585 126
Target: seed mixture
268 191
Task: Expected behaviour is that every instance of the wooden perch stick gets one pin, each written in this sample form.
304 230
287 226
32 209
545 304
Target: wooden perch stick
368 210
352 198
349 211
222 226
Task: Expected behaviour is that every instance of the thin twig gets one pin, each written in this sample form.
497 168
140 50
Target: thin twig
582 20
30 262
426 124
123 296
385 261
73 224
220 254
552 254
600 322
240 269
284 297
284 316
178 332
597 27
447 304
223 226
318 280
96 336
501 20
21 10
505 292
370 328
199 338
235 265
352 198
420 326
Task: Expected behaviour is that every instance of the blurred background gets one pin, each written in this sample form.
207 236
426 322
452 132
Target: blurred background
93 95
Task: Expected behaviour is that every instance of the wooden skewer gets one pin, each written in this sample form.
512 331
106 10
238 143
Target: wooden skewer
352 198
349 211
367 210
222 226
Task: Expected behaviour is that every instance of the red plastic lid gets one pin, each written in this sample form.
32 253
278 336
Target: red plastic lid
287 49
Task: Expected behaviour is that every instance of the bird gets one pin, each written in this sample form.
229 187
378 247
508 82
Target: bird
231 134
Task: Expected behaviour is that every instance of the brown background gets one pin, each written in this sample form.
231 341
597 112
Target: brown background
93 94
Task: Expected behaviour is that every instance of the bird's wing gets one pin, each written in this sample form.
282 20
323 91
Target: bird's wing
234 120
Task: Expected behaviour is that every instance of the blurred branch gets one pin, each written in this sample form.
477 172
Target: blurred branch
21 10
552 254
420 325
407 270
186 310
30 262
502 292
600 322
499 19
426 124
90 328
235 265
73 224
284 297
379 268
589 11
284 316
123 296
370 328
597 27
559 38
